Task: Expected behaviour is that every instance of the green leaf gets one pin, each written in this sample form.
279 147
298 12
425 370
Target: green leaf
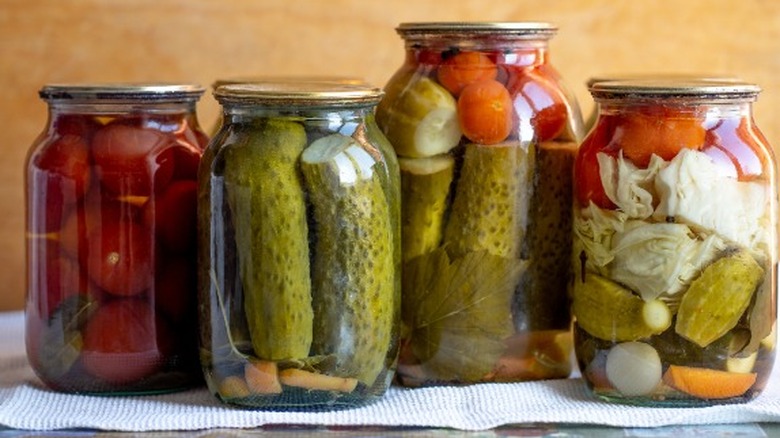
459 311
61 339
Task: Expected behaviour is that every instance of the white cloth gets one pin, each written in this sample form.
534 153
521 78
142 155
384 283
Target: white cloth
26 404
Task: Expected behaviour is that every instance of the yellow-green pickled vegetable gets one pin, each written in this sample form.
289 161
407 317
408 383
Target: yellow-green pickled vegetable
353 269
715 301
542 303
425 188
268 211
611 312
490 205
419 117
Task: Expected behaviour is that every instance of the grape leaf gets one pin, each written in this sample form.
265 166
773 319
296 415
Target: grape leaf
459 311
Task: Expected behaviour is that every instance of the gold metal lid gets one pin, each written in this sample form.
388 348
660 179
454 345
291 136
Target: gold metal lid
301 93
672 88
514 30
157 92
292 79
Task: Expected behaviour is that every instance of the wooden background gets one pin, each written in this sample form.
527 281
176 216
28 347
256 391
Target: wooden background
46 41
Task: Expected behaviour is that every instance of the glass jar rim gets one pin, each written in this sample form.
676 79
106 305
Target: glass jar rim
709 88
514 30
298 93
158 92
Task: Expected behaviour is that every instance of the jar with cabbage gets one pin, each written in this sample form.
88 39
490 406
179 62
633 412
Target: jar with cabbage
486 136
675 244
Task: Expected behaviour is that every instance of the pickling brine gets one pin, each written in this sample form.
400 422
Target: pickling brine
486 137
675 244
299 239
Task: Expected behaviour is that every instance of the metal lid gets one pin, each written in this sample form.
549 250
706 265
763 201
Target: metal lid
515 30
301 93
292 79
157 92
671 88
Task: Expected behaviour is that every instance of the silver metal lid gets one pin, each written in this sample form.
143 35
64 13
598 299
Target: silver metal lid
515 30
157 92
298 93
671 88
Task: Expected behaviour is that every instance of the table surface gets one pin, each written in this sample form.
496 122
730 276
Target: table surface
12 345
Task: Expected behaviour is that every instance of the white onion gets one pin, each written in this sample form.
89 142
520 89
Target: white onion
634 368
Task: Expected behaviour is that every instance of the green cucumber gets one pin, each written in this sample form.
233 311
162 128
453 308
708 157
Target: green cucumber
717 299
490 205
425 188
353 273
268 211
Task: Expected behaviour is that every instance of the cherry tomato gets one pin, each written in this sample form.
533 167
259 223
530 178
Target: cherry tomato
538 99
587 178
60 176
465 68
172 214
133 161
737 147
660 131
121 342
485 112
120 258
81 125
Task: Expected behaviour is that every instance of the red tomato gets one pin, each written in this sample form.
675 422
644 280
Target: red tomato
60 176
587 179
465 68
133 161
81 125
120 257
738 147
172 215
121 342
53 276
485 112
426 56
538 99
529 57
89 216
660 131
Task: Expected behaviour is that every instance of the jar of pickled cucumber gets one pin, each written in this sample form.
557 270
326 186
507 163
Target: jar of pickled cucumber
486 136
299 243
111 238
675 244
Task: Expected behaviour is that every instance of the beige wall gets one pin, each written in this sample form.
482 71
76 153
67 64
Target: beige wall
44 41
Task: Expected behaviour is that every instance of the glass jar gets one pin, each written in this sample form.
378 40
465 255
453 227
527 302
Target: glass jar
110 233
486 136
299 248
675 244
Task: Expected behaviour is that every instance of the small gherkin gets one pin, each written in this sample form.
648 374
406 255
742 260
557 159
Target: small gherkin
268 209
353 272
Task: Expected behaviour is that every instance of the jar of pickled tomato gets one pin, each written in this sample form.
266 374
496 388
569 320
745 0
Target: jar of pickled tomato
111 239
486 135
299 246
675 244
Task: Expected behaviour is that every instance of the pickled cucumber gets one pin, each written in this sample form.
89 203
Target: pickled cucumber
268 211
353 268
490 205
425 188
541 305
611 312
716 300
420 119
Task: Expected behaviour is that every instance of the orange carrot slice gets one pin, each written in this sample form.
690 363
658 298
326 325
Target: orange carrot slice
708 383
262 377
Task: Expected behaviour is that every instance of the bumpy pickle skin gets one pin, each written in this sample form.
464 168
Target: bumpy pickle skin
716 300
353 268
268 209
608 311
425 188
490 206
542 303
